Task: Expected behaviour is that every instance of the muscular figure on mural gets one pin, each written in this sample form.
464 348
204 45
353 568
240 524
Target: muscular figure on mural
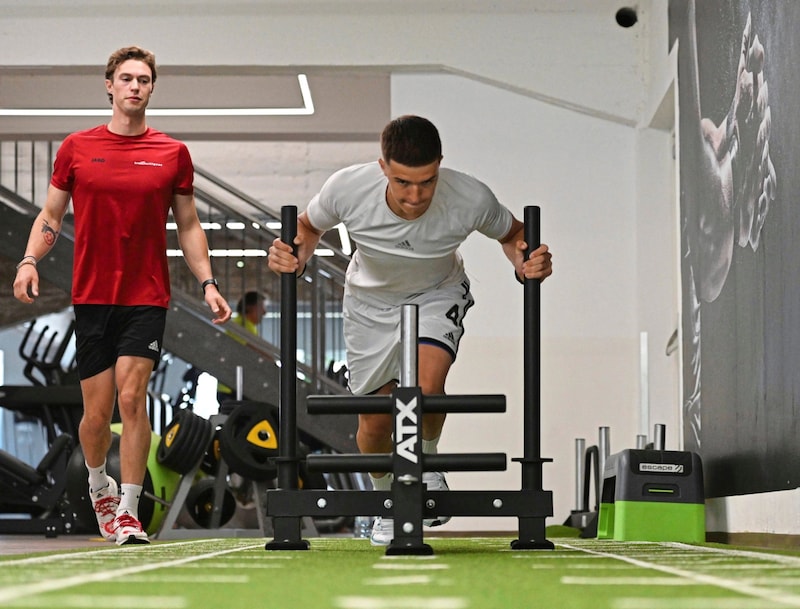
726 200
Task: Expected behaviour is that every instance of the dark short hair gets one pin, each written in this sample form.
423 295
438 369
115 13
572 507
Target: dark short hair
250 299
411 140
122 55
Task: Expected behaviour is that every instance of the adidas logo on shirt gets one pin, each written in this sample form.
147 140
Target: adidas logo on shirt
153 346
404 245
449 336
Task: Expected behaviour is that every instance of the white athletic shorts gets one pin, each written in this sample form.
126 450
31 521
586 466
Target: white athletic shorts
372 333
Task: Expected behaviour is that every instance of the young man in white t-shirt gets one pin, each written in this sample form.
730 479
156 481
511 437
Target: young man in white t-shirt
407 216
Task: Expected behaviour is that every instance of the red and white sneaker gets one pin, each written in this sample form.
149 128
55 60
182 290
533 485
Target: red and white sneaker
105 503
129 530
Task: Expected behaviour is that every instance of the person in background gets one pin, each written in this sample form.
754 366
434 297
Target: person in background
250 310
124 178
407 216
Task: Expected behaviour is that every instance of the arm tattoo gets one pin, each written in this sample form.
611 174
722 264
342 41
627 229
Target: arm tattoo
49 233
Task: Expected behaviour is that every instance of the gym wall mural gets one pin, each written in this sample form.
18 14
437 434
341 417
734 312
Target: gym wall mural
739 150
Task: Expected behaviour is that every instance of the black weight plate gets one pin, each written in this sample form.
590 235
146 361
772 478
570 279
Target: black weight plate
199 441
184 442
249 441
200 503
169 448
210 463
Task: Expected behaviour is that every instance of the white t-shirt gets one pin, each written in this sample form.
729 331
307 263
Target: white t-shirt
397 259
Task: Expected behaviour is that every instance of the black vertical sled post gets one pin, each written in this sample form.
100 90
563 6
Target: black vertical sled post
287 529
532 529
408 488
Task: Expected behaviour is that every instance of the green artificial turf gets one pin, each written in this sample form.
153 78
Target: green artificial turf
346 573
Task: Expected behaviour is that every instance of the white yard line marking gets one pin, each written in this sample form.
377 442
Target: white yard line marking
745 567
399 580
238 565
31 589
189 579
584 567
90 553
761 556
627 581
692 603
412 567
774 581
76 601
776 596
401 602
571 556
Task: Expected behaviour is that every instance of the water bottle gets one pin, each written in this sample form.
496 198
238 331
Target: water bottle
362 526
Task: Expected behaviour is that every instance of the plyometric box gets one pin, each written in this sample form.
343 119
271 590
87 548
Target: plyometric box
652 495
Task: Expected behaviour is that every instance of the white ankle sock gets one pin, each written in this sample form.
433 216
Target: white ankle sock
429 447
384 483
129 499
98 478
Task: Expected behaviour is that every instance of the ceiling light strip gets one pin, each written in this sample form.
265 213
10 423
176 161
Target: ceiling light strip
306 110
245 253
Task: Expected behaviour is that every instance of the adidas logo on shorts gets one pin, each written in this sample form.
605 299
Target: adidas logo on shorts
153 346
449 336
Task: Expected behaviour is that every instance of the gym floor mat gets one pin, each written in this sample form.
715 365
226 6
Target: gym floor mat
346 573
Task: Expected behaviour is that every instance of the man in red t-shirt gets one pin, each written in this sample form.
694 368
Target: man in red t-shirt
123 178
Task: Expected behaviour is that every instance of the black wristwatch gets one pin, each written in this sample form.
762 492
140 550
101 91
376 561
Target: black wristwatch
211 281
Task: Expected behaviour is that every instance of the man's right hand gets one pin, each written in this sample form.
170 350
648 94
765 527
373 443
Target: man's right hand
281 258
26 284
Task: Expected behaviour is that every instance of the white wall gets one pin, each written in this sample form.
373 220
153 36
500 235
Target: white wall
657 260
577 169
657 278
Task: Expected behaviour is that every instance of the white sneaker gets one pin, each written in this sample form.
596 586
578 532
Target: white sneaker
435 482
129 530
105 503
382 532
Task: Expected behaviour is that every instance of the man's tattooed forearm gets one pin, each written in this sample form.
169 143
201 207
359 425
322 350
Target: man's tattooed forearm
49 233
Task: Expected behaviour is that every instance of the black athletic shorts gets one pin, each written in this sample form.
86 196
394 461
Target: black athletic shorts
104 332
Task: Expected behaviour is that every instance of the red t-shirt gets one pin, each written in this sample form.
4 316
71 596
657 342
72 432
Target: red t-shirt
122 189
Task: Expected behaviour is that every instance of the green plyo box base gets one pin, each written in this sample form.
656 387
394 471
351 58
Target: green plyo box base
652 521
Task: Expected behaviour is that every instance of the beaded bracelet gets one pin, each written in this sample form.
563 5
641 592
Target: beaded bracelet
27 260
